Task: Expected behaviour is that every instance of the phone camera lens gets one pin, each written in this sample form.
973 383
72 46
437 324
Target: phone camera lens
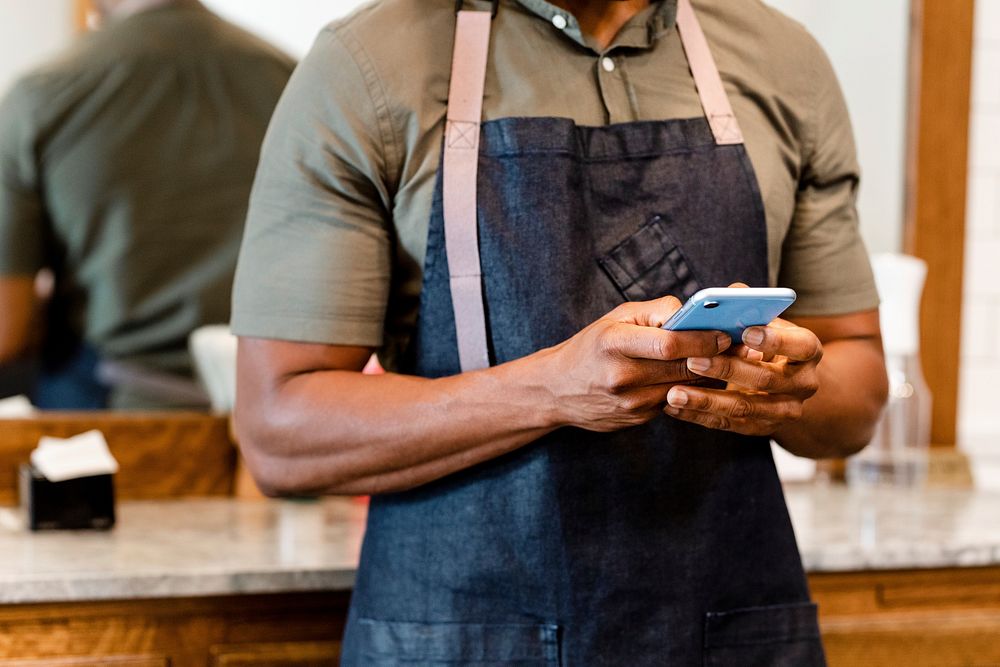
711 304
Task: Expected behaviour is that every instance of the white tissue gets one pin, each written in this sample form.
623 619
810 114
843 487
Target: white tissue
83 455
16 407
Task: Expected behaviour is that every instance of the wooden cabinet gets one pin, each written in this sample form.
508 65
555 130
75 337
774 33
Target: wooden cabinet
284 654
932 618
922 618
99 661
287 630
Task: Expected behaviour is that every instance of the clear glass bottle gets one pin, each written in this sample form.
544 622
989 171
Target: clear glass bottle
897 454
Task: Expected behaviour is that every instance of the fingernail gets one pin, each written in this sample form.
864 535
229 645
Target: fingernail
723 341
672 411
699 364
678 398
753 336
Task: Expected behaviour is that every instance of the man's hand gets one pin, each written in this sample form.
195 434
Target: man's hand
768 378
617 371
396 432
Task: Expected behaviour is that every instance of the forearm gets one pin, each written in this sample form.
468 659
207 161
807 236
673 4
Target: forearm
17 311
840 418
346 433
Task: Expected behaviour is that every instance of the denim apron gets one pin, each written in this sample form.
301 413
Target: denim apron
661 544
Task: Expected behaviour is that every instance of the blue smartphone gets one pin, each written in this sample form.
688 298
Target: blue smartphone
731 309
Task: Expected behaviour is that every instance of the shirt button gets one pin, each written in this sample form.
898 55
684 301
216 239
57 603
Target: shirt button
559 21
608 64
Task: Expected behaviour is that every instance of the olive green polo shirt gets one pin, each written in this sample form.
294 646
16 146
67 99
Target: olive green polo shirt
126 166
336 234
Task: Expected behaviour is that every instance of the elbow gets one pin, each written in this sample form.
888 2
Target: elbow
868 415
858 428
281 466
264 451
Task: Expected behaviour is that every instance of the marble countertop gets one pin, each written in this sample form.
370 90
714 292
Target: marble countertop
222 547
840 529
183 548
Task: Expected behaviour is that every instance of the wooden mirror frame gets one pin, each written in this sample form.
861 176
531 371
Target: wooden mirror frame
940 80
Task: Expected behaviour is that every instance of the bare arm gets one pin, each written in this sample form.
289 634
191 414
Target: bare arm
307 420
18 307
817 386
840 418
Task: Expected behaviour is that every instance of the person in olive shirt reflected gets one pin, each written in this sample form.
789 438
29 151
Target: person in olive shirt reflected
125 166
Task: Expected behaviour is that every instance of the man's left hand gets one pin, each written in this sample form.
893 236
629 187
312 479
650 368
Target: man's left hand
768 379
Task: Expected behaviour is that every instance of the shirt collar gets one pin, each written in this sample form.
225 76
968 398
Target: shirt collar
641 32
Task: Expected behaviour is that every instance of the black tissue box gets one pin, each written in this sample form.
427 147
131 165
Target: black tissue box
82 503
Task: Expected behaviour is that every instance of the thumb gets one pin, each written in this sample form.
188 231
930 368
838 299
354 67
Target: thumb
646 313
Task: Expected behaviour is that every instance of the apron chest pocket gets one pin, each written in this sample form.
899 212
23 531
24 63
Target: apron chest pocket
777 636
385 643
649 264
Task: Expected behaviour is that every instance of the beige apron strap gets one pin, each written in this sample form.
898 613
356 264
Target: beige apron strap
713 96
461 166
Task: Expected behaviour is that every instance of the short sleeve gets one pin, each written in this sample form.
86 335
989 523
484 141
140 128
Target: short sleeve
824 257
315 263
22 210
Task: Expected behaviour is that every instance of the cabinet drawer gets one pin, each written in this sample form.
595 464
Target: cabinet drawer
278 654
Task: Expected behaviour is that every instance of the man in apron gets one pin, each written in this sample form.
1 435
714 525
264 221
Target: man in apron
531 502
125 167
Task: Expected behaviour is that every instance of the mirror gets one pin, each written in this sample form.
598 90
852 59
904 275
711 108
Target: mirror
125 187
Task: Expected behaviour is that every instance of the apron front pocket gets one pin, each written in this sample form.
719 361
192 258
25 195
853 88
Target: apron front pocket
777 636
385 643
649 264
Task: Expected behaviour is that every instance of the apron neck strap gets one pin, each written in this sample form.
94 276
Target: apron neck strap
461 168
713 96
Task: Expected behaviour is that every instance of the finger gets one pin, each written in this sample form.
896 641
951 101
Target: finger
722 423
757 375
744 352
645 342
643 372
739 285
736 405
646 313
796 343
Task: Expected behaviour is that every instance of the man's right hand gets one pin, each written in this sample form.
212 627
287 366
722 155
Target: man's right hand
617 371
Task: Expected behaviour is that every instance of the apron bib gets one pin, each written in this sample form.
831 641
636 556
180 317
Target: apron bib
662 544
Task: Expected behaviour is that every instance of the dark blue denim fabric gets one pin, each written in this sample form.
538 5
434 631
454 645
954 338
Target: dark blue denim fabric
73 385
584 548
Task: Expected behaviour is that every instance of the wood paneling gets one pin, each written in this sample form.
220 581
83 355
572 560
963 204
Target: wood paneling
940 81
944 618
102 661
939 618
161 455
918 640
286 654
299 630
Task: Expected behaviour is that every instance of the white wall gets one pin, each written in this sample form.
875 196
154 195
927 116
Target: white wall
291 24
979 411
30 31
867 42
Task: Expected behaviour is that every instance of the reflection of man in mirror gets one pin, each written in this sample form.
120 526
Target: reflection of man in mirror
125 165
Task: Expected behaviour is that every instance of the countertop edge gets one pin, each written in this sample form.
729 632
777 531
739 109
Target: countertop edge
154 586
